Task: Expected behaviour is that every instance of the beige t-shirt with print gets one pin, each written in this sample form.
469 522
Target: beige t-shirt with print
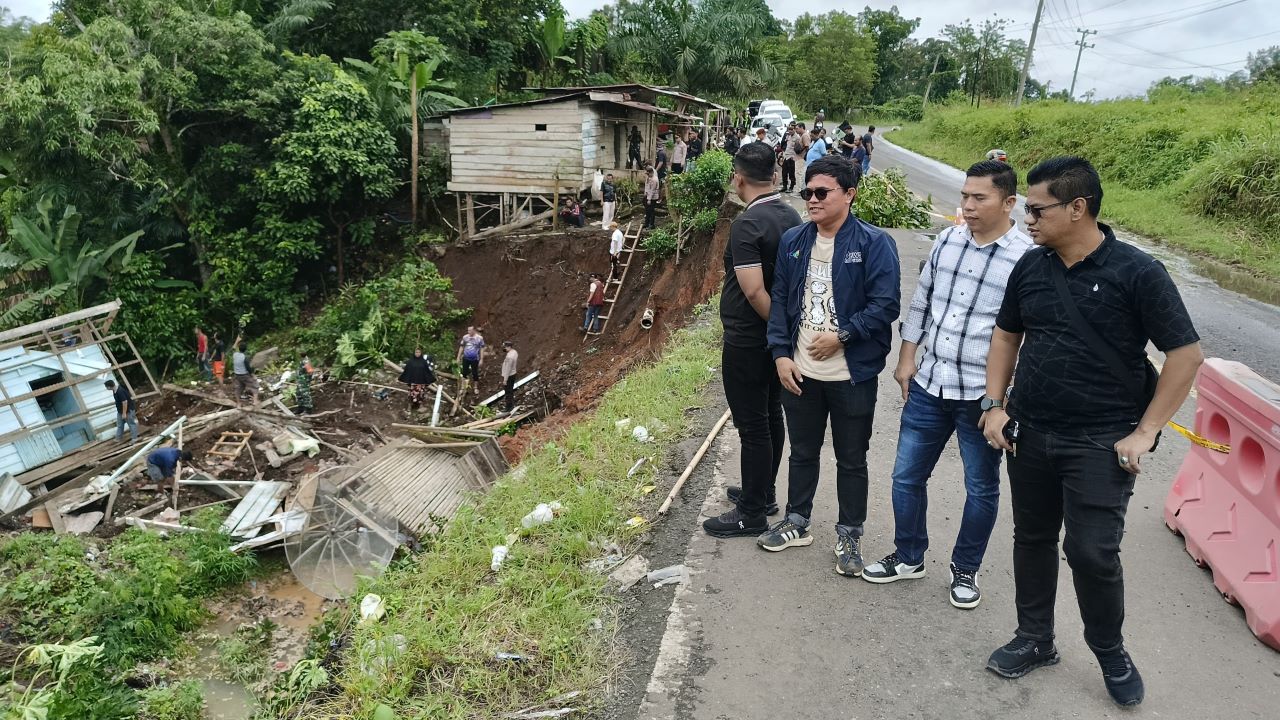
819 316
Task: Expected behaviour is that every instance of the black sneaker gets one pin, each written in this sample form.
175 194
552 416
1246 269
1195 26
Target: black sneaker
783 535
891 569
964 589
1021 656
735 494
1122 678
735 524
848 555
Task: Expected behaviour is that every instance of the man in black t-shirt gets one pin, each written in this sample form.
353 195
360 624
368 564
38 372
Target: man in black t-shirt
126 411
849 141
751 383
1077 314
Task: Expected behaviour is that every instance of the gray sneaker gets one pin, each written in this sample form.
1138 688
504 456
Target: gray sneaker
848 555
783 535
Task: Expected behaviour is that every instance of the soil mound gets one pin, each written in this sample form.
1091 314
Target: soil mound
531 289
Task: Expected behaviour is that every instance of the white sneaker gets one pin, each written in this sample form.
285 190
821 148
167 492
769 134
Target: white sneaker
891 569
964 589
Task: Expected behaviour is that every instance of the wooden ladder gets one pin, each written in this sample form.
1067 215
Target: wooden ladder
628 255
230 444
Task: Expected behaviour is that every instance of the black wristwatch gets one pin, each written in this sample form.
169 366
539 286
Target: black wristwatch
844 336
987 403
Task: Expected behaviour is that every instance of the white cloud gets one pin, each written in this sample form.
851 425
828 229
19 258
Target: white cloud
1216 41
34 9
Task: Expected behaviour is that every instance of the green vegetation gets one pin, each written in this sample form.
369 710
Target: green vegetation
885 200
1197 169
387 317
660 243
177 701
130 601
703 187
449 614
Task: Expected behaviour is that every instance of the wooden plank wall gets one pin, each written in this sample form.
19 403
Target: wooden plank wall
498 150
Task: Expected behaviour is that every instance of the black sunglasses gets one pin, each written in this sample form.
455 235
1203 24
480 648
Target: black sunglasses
820 193
1035 211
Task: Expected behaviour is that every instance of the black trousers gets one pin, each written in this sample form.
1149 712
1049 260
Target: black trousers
509 392
650 208
788 174
851 408
754 394
633 158
1075 479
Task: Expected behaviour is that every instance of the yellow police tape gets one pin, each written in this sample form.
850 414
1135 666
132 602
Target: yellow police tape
1202 442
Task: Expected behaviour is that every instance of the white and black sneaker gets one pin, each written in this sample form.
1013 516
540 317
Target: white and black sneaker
891 569
964 589
783 535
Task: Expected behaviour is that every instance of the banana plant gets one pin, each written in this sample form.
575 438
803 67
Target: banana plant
45 262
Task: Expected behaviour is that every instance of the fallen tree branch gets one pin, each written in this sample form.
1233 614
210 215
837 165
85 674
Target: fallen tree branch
706 444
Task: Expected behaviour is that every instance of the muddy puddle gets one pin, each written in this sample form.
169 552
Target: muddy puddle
257 633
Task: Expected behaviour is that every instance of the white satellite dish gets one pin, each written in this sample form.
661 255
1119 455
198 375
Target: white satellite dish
344 537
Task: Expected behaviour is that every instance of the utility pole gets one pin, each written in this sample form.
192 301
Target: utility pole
1084 35
1026 62
929 85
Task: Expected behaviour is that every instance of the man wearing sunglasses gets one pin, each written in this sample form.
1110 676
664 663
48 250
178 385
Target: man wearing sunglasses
1076 317
835 296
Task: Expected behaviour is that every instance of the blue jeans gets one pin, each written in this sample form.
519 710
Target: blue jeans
866 164
132 420
927 425
591 321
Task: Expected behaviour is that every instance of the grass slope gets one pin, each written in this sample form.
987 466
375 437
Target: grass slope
449 614
1198 171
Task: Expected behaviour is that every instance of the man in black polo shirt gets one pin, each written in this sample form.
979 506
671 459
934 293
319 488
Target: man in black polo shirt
751 383
1079 426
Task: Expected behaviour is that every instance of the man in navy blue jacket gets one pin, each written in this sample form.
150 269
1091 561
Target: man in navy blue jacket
835 295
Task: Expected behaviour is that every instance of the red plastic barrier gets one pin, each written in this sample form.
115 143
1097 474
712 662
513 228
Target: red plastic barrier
1227 506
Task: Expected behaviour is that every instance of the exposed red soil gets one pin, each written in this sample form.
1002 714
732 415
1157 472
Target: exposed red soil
530 289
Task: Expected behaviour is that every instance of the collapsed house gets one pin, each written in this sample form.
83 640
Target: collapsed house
53 400
510 163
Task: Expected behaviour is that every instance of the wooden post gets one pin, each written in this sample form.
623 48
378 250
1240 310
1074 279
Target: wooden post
471 214
177 470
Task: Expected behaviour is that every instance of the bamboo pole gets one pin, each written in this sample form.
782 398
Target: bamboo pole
706 444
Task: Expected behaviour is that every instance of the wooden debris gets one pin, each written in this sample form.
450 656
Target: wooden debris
263 500
252 410
230 444
40 519
519 384
83 524
12 494
143 511
157 525
56 521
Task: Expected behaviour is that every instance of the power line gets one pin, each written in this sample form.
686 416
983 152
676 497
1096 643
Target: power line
1206 47
1162 16
1127 31
1168 55
1190 66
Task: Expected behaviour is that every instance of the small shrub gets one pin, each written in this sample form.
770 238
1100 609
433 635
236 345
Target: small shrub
178 701
386 317
703 187
1240 179
660 243
628 191
705 221
884 200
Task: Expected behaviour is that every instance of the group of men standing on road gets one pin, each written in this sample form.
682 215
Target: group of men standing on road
800 146
808 308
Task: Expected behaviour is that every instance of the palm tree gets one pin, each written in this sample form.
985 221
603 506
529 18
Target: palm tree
405 62
703 46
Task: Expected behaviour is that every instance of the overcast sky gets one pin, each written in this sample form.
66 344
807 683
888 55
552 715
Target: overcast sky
1138 41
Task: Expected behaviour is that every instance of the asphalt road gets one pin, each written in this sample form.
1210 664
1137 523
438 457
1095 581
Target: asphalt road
1232 325
757 635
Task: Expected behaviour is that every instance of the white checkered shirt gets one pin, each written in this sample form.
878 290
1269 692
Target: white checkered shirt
953 311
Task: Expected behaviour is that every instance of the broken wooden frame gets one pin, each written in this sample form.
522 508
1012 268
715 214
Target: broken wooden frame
91 326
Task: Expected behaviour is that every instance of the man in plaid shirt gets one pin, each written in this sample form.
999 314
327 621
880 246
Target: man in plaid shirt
942 370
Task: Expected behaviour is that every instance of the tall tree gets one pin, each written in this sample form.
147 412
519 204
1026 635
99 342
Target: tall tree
703 46
834 64
891 31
